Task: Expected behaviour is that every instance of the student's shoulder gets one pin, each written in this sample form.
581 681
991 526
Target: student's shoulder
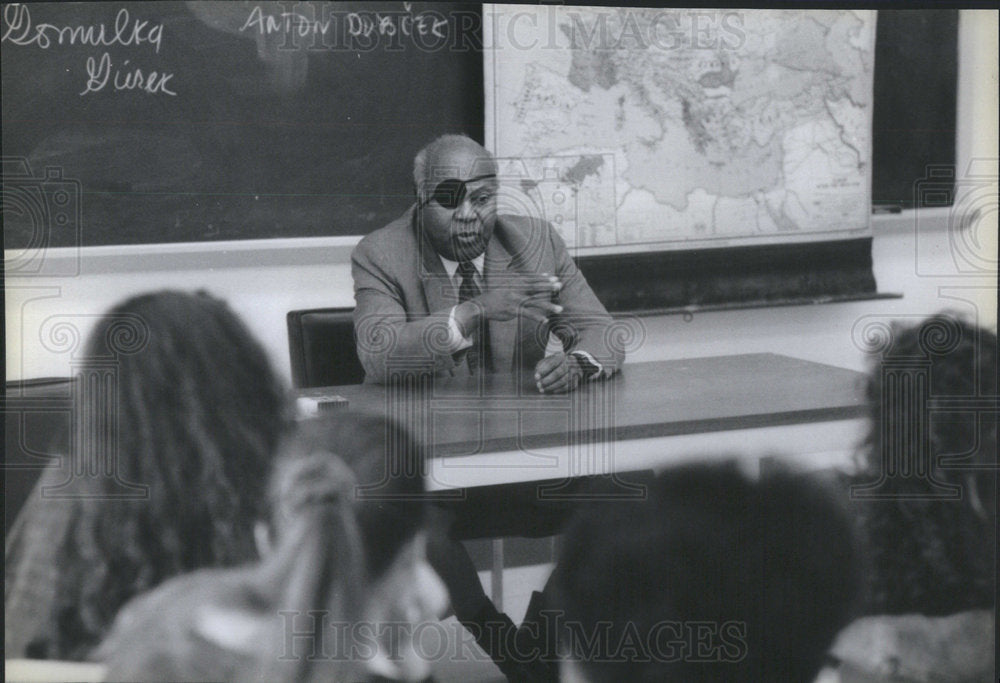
175 597
918 647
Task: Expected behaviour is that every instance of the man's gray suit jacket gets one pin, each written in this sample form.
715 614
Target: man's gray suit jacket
403 297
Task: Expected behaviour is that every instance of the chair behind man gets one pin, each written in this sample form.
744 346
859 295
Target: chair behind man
322 349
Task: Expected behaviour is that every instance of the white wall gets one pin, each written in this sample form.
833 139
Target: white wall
936 259
260 283
926 271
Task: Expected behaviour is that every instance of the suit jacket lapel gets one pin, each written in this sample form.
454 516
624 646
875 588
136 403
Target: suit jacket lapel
439 291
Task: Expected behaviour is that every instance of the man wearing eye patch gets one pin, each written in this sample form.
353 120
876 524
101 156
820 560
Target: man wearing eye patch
458 286
461 287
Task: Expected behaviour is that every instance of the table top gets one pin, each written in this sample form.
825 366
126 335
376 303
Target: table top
463 416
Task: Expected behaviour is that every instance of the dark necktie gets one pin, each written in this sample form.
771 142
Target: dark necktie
479 353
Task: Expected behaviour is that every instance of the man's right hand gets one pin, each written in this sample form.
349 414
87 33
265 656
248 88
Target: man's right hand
529 295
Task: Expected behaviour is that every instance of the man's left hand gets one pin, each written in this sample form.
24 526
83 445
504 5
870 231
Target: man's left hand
557 374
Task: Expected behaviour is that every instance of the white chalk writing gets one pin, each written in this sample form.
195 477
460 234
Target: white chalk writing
390 24
358 24
284 23
126 32
21 31
99 75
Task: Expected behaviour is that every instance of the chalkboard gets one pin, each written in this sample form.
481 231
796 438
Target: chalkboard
176 122
302 119
913 121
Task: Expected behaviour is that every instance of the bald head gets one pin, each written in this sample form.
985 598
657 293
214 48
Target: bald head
450 156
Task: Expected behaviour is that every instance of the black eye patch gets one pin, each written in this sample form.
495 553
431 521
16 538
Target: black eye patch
450 193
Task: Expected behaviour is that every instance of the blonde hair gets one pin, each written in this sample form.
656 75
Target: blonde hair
318 563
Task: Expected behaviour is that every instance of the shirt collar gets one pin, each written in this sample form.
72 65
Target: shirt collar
452 266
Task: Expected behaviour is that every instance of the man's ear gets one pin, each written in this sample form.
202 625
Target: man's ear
262 538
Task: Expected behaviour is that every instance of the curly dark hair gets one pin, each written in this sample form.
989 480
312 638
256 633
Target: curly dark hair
200 414
930 530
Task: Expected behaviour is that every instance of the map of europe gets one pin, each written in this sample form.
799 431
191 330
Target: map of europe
648 129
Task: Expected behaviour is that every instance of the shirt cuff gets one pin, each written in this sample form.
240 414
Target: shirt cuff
591 368
456 342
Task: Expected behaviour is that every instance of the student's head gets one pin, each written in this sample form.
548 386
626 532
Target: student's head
714 577
931 525
347 537
456 187
177 397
